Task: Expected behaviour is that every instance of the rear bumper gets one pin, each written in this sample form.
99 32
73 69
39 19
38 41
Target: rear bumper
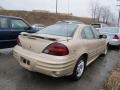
46 64
114 42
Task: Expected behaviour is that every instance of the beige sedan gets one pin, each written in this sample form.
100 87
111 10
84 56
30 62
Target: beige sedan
62 49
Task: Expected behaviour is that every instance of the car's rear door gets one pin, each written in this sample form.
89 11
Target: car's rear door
5 33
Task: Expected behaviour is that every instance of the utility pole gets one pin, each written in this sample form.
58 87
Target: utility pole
56 6
119 13
68 7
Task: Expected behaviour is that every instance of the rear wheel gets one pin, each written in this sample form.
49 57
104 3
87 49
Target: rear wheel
79 69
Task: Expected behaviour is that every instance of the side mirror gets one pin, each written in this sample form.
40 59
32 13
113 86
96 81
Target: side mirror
102 36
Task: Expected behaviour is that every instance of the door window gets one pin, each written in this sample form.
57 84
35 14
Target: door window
96 32
88 33
3 23
18 24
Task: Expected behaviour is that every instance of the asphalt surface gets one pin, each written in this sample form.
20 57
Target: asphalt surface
14 77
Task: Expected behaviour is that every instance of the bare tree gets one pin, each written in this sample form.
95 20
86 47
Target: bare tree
105 14
93 9
101 13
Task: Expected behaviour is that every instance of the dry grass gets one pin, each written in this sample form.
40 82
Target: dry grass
113 82
44 18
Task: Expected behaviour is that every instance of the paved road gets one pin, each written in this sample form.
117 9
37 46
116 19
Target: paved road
14 77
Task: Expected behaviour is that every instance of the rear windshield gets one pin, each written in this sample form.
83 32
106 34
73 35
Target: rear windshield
96 25
64 29
110 30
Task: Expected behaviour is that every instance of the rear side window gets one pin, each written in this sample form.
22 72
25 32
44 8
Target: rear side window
87 33
3 23
18 24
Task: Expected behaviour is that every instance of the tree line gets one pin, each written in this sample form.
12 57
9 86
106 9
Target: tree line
102 13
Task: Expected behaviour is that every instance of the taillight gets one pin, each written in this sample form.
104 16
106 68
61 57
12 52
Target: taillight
116 37
18 41
56 49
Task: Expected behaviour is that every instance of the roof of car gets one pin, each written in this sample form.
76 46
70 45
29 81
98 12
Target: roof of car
70 22
9 16
81 25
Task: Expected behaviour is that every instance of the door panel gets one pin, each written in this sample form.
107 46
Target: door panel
100 42
90 42
91 46
5 33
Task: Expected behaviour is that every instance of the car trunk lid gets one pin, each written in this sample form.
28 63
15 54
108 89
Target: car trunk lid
37 43
110 36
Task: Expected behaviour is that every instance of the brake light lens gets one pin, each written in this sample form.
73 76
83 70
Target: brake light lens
56 49
116 37
18 41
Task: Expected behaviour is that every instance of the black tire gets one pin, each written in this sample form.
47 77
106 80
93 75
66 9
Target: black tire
75 75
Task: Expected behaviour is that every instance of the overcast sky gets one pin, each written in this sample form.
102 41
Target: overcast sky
77 7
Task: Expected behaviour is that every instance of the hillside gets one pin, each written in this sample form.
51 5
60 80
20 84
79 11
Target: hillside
44 18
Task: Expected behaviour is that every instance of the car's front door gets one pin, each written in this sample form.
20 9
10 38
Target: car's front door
18 26
101 42
90 42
